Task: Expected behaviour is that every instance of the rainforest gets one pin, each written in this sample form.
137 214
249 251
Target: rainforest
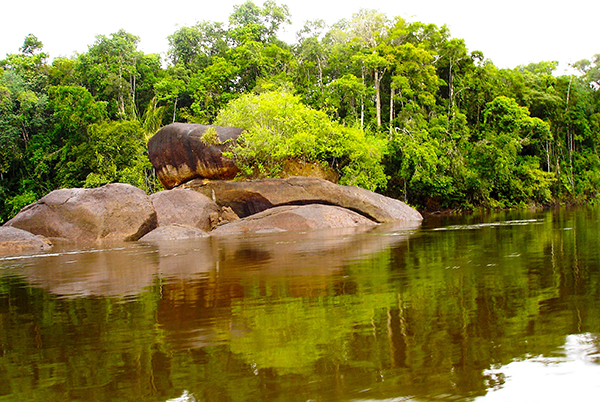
395 106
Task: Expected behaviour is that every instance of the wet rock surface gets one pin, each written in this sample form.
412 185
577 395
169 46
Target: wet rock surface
181 152
15 241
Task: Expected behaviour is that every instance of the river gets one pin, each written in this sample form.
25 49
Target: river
484 307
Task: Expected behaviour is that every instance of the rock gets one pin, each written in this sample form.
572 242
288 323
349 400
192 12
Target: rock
184 207
321 170
226 215
295 218
248 198
173 232
181 152
111 212
14 241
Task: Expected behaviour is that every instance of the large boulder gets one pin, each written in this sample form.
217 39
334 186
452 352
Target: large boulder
14 241
181 152
184 207
111 212
248 198
296 218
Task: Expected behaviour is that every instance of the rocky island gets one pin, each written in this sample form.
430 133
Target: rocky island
201 200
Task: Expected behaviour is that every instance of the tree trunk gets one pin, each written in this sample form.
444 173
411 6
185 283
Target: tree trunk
450 94
392 93
362 103
320 73
378 97
120 96
174 109
133 85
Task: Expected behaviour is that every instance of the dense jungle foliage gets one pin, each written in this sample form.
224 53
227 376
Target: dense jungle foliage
396 106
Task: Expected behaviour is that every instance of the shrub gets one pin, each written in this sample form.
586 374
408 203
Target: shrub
278 127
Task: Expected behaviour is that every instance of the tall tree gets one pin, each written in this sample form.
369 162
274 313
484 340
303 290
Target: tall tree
110 71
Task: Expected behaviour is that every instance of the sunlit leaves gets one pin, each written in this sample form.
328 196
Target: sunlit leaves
279 128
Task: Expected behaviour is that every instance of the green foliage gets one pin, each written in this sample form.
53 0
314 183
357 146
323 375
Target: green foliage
116 153
18 202
210 137
279 127
57 156
457 131
510 176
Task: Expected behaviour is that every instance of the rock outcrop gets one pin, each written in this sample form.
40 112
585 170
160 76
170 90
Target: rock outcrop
181 152
184 207
295 218
173 232
111 212
15 241
248 198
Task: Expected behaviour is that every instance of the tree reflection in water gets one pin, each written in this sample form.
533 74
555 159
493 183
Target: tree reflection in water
455 310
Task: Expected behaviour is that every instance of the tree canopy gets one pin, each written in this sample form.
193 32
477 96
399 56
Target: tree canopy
397 106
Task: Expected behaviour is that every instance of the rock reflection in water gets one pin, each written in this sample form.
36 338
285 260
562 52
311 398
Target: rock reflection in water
118 271
387 314
128 269
196 310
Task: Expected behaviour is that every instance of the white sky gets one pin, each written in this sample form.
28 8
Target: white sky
509 32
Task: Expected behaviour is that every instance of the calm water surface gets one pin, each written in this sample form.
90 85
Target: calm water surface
499 307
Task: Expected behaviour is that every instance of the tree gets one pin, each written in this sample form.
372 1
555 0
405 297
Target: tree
280 128
116 153
368 29
110 68
23 117
249 22
31 45
213 88
311 57
508 176
194 46
344 95
591 70
56 155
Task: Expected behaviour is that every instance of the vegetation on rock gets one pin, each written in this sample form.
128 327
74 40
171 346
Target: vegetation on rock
280 128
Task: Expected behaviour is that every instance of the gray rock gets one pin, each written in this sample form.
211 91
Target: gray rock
15 241
248 198
294 218
184 207
111 212
173 232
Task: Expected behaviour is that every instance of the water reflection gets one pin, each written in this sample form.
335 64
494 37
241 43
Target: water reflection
394 313
570 375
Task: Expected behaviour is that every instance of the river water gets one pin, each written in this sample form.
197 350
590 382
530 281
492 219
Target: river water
487 307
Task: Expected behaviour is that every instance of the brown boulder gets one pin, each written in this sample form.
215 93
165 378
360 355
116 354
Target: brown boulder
181 152
295 218
184 207
248 198
173 232
14 241
111 212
